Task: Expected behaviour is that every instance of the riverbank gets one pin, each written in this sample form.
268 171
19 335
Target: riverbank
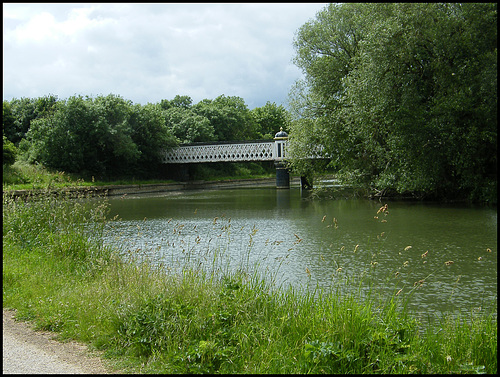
58 273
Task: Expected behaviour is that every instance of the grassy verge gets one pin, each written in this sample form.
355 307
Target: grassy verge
58 273
24 176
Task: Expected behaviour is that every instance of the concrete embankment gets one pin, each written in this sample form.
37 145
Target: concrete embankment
112 190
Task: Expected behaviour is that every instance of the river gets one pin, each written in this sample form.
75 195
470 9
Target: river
443 255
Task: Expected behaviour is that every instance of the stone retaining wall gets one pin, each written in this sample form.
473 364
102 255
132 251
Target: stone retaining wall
113 190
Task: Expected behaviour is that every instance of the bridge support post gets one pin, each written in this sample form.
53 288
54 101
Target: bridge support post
305 183
282 176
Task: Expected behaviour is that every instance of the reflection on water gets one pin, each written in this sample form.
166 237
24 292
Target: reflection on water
306 243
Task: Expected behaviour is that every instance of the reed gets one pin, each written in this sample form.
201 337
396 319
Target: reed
150 318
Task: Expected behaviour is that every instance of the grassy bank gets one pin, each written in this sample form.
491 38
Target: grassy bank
24 176
58 273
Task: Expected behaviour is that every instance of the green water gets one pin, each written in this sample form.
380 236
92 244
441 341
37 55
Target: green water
295 240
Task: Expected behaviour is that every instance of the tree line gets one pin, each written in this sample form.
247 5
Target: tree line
402 96
109 136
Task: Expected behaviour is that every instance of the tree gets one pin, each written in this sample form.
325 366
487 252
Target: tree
85 136
9 152
150 134
229 116
326 50
270 118
8 121
415 109
187 126
184 102
26 110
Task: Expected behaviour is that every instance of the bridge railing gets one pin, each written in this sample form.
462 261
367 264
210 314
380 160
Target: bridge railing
222 152
260 150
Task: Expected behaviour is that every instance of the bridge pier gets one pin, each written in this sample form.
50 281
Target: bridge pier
282 176
305 183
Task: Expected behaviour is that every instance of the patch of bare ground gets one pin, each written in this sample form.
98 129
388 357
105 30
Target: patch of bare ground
26 351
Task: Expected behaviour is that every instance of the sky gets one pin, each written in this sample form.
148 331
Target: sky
149 52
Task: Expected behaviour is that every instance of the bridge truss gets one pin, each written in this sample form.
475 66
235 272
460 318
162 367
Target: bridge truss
226 152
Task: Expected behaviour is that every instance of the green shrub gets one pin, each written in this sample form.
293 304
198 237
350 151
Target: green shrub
9 152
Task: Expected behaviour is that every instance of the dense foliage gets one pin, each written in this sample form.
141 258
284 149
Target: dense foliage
109 137
9 152
402 96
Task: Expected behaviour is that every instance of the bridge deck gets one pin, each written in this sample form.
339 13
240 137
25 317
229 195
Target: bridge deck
226 152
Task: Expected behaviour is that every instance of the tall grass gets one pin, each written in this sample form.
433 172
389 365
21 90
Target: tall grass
24 176
58 272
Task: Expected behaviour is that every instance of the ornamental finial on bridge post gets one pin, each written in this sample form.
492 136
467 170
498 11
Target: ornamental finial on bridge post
281 135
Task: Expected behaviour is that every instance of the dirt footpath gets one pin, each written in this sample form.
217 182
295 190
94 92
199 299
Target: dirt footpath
36 352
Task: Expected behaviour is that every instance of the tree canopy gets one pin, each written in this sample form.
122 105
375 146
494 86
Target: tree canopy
108 136
401 95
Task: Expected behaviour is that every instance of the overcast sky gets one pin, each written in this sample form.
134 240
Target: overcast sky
149 52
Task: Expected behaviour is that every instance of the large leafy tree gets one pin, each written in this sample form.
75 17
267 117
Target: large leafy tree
187 126
151 136
8 121
270 118
229 116
179 101
414 109
24 111
85 136
326 48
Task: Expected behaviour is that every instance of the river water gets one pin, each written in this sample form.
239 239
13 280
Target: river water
442 257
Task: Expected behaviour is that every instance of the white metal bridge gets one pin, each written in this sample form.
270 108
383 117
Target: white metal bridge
227 152
261 150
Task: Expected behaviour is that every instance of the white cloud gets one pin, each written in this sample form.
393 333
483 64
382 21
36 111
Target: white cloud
148 52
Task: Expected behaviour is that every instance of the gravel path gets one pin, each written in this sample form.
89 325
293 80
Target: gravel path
36 352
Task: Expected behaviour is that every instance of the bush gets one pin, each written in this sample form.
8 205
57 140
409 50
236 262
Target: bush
9 152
